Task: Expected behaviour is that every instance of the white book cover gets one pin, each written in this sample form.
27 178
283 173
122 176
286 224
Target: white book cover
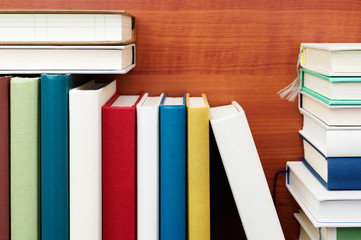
337 115
340 141
148 168
332 59
323 207
82 59
85 158
245 173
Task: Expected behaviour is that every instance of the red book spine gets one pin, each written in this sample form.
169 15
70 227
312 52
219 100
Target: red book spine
4 158
119 171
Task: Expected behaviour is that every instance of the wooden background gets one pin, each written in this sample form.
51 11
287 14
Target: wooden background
239 50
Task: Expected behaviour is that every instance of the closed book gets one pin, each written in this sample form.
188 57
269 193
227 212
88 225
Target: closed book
148 168
323 207
4 158
332 59
85 158
60 27
25 158
331 141
84 59
245 173
325 233
198 167
173 200
347 88
332 115
332 102
119 166
55 154
335 173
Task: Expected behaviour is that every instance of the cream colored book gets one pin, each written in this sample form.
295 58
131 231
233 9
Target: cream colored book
85 158
66 27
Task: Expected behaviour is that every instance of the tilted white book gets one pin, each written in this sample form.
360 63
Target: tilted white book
245 173
148 168
85 161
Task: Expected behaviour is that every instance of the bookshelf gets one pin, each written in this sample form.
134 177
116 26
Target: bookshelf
230 50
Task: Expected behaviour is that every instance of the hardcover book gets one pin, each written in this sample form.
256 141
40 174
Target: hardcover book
148 168
173 198
25 158
243 166
335 173
332 87
327 208
4 158
85 158
198 167
54 89
345 115
308 231
335 141
332 59
60 27
119 166
85 59
332 102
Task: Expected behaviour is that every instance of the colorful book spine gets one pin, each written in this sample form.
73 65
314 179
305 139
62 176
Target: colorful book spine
119 168
173 170
25 158
85 164
4 159
55 155
198 168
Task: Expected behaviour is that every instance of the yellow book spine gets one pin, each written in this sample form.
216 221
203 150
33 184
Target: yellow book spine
198 171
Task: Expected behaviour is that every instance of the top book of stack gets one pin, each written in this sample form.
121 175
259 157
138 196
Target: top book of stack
332 59
66 27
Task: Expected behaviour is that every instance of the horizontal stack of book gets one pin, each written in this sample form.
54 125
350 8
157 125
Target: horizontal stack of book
327 183
89 163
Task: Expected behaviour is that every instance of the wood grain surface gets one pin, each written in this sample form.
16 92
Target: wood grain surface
239 50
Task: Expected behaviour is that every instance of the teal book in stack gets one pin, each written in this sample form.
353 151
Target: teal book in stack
54 92
327 183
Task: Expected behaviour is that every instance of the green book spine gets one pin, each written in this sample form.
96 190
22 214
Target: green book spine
349 233
25 158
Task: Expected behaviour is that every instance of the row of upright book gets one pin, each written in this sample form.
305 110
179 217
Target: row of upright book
89 163
327 182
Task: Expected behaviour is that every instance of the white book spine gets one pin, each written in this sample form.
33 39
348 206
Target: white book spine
148 172
85 165
246 177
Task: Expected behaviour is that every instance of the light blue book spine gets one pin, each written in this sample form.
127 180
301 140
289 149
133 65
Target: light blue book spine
173 172
54 157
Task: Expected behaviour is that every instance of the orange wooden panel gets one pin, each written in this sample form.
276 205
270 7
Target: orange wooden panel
239 50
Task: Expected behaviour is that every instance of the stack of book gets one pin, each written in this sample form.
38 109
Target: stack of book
327 183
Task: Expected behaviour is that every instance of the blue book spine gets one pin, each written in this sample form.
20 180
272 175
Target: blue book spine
343 173
54 157
173 172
